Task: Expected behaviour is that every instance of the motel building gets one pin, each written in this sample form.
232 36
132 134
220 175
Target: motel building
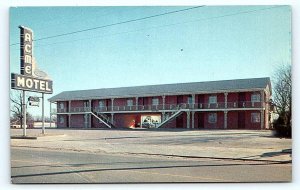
227 104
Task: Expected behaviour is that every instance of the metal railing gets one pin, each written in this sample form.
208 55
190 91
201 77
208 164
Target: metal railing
159 107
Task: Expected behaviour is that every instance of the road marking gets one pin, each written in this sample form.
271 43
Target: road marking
56 163
176 175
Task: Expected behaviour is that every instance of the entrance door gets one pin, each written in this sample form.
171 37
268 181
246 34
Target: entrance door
201 120
241 120
242 99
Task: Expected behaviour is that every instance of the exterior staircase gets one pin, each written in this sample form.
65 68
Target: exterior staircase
176 114
104 119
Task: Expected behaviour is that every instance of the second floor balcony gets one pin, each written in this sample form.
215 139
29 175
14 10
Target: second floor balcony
164 107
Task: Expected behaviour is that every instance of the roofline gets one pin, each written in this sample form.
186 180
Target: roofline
160 94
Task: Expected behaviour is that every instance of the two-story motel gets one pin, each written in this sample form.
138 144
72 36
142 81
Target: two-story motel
227 104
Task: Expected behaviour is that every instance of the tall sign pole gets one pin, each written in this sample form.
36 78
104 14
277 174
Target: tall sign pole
24 113
30 78
43 115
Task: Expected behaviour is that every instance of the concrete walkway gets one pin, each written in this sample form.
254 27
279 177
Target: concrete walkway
215 144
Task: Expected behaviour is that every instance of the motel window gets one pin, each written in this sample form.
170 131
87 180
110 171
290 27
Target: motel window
255 117
255 98
155 101
61 105
61 119
212 100
101 103
212 118
190 100
129 102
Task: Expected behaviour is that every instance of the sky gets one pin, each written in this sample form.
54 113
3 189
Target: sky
200 44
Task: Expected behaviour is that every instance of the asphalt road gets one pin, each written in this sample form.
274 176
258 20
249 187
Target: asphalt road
34 165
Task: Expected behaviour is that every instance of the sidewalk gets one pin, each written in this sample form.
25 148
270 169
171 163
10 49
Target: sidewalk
215 144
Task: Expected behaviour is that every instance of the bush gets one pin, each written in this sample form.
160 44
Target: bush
283 130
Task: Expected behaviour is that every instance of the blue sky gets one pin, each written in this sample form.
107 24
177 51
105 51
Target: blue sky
203 44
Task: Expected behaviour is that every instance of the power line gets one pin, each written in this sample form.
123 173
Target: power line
162 26
114 24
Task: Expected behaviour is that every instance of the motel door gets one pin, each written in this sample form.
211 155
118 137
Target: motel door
241 120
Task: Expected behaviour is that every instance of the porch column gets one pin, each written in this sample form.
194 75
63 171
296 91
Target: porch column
69 121
136 103
90 115
164 101
112 118
188 119
262 119
262 97
225 95
225 119
193 119
112 104
193 101
69 106
50 115
163 116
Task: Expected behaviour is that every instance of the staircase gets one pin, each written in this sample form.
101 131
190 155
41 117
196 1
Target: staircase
176 114
104 119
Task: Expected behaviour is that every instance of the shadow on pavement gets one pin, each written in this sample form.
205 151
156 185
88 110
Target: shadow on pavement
137 168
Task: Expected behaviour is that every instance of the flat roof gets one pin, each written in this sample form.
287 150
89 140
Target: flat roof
165 89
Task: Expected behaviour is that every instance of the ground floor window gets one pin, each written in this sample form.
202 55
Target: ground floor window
61 119
149 121
212 118
255 117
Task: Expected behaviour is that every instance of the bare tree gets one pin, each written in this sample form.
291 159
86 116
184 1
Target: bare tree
283 94
16 108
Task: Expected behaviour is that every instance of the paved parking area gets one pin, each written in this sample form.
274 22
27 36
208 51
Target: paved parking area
218 144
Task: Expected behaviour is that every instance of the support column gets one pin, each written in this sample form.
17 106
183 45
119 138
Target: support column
164 101
193 119
262 119
188 119
89 115
69 106
136 103
69 121
24 113
225 95
50 115
112 118
225 119
43 114
193 102
112 104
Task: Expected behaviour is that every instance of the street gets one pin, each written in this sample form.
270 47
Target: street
35 165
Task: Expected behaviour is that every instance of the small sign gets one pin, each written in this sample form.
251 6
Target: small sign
33 99
34 103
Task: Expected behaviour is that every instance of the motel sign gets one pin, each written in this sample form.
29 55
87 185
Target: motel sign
28 80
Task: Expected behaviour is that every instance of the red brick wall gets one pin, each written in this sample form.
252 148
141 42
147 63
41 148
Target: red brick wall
77 121
77 103
232 120
232 97
171 99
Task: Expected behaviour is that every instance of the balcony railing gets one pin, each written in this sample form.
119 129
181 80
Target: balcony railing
221 105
